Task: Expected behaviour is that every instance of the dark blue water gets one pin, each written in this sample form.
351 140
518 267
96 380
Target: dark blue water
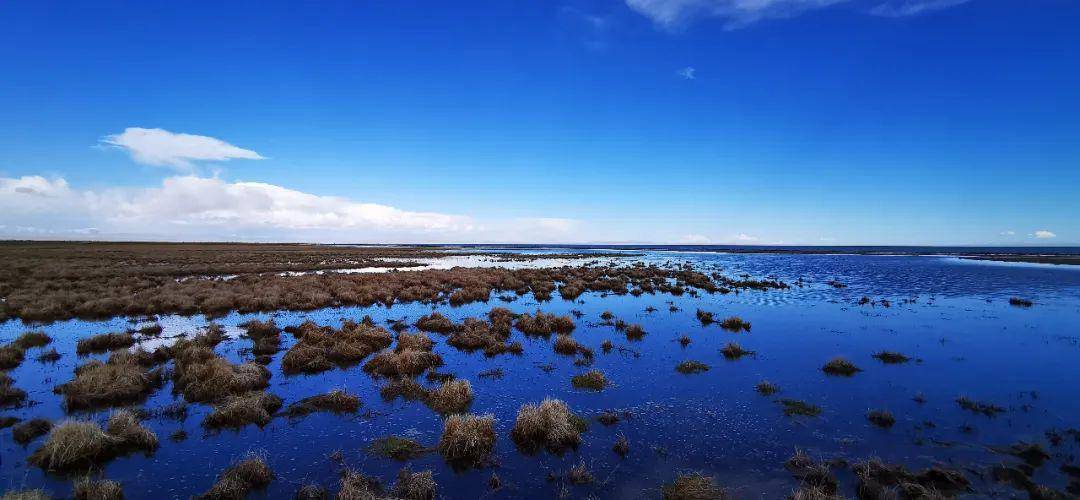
952 315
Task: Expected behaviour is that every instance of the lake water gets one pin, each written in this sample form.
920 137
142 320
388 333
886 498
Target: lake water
952 315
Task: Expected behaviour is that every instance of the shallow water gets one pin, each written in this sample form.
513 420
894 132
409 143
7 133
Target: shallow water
956 320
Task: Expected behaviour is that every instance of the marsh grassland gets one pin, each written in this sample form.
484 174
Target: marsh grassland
278 371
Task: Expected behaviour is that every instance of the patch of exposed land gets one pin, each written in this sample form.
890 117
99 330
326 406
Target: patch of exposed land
47 281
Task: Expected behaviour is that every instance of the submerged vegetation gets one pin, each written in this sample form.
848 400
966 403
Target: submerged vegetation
690 366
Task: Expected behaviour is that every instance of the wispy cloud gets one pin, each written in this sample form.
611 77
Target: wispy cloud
1008 233
745 238
1044 234
687 73
695 239
161 148
905 8
593 30
675 14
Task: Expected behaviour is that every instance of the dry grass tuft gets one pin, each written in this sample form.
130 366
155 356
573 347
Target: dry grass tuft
890 357
453 396
794 407
77 444
544 324
30 430
549 425
124 424
634 332
101 489
415 485
580 474
988 409
621 446
251 473
593 380
881 418
356 486
104 342
120 381
9 394
237 411
337 401
690 367
693 486
320 349
30 340
735 324
417 341
402 363
734 351
203 376
840 366
436 322
766 388
467 439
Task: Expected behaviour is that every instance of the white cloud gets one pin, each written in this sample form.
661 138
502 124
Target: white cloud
1008 233
161 148
695 239
673 14
189 208
904 8
742 237
1044 234
687 73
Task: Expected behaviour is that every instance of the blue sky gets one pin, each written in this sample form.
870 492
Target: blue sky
722 121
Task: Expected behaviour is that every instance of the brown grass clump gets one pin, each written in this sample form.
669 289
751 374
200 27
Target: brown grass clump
988 409
467 439
794 407
593 380
265 336
549 425
397 448
402 363
475 334
565 344
11 356
881 418
102 489
817 481
124 424
436 322
33 339
418 341
705 317
237 411
75 444
9 394
453 396
693 486
120 381
81 444
49 356
735 324
689 367
580 474
766 388
30 430
320 349
104 342
634 332
879 480
544 324
203 376
621 446
415 485
354 485
311 491
840 366
890 357
251 473
337 401
733 351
